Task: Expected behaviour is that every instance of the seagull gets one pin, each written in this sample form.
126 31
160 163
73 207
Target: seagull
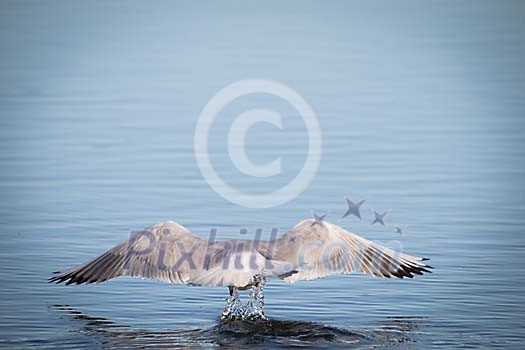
169 252
399 229
353 208
379 218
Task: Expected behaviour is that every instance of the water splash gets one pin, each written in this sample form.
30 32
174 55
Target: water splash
254 309
234 309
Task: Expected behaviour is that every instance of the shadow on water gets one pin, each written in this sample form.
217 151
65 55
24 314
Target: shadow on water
396 331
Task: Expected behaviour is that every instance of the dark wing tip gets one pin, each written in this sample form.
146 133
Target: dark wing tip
54 278
69 278
59 279
288 274
412 271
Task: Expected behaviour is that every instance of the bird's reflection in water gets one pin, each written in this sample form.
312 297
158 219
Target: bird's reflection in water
241 333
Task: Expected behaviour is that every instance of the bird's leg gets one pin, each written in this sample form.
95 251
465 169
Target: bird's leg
255 308
234 308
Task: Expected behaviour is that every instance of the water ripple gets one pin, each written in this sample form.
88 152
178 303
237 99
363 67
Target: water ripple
232 333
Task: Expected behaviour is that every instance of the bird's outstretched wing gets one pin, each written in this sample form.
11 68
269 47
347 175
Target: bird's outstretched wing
317 250
166 252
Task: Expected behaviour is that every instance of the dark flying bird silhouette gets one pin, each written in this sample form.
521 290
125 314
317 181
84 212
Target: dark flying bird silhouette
353 208
379 218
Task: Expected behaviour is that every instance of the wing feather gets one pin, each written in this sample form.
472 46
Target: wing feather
146 255
317 250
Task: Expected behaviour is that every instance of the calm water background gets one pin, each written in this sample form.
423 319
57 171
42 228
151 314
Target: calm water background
422 111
